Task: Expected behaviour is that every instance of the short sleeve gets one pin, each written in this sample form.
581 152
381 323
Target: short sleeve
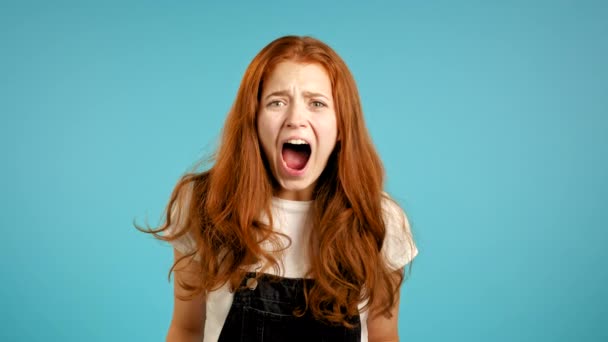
399 248
179 213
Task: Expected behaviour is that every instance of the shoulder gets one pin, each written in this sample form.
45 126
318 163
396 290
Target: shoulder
179 212
180 207
394 216
399 247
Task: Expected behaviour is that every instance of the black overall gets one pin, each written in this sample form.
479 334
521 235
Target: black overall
265 313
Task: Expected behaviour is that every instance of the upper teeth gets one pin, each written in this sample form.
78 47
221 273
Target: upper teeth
297 142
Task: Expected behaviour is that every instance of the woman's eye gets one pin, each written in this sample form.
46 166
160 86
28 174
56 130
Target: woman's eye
318 104
276 104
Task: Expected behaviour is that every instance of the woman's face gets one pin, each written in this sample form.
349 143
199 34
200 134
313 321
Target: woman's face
297 126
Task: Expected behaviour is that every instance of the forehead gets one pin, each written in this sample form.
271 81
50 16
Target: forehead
289 75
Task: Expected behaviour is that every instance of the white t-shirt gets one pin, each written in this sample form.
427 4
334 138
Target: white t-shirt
292 219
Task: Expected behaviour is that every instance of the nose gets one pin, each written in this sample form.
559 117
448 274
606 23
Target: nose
296 116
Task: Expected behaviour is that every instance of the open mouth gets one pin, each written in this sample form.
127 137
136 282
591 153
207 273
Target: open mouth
296 153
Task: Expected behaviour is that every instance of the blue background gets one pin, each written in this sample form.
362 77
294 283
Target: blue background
491 119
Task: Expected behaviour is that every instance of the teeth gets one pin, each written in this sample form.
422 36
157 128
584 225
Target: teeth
297 142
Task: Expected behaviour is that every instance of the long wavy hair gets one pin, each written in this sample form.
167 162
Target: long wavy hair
225 202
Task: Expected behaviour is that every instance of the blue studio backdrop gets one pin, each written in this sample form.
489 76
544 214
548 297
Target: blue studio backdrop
491 118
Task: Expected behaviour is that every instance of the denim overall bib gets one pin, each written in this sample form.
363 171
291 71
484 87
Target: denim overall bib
262 310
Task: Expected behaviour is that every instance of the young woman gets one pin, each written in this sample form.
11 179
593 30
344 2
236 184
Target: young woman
289 236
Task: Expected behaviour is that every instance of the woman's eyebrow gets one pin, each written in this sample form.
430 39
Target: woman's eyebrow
277 93
286 93
310 94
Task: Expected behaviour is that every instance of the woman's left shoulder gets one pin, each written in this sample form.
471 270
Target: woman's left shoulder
399 247
394 216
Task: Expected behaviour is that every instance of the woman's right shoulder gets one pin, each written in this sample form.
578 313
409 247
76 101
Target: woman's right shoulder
184 192
180 208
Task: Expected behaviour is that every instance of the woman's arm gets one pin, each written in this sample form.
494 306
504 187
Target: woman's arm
381 328
188 322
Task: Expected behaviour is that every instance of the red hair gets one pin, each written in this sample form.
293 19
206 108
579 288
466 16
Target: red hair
348 230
